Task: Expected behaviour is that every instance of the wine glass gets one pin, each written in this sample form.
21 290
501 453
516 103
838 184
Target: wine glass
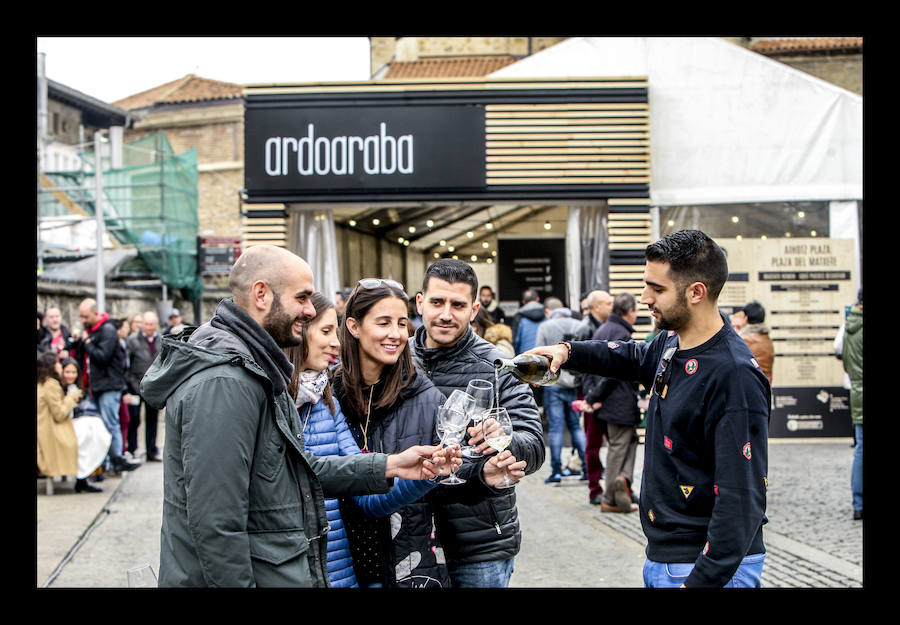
483 392
141 576
451 428
460 400
498 430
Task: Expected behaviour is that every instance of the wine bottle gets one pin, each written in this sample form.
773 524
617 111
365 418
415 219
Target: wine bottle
529 368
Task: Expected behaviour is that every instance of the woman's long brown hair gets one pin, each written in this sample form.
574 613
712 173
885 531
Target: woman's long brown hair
46 367
395 377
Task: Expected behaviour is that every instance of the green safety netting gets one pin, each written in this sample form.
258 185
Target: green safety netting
150 203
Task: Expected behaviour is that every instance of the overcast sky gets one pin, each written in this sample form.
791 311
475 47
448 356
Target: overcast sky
111 68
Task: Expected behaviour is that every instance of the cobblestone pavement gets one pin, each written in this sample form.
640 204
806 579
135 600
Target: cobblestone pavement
811 538
90 540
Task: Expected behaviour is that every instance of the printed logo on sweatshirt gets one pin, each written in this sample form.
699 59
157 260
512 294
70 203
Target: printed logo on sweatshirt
652 515
690 367
746 451
612 345
755 362
766 482
706 548
716 489
686 491
667 442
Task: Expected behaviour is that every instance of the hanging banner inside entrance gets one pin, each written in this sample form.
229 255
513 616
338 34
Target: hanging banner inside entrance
804 286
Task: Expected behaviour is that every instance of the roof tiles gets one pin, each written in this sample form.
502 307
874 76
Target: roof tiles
795 45
456 67
190 88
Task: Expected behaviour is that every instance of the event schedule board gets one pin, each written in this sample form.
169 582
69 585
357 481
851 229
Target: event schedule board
805 286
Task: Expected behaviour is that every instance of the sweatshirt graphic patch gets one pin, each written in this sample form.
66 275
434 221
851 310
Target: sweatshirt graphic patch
667 442
686 491
690 367
746 451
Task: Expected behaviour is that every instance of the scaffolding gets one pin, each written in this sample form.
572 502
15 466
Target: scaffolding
150 202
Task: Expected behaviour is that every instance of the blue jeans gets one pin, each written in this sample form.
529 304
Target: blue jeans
856 473
492 574
673 574
558 407
109 411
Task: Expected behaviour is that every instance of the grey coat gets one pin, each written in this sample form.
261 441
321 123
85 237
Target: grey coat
139 358
243 501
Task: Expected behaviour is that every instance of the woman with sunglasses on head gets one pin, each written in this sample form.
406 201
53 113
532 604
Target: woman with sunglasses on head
325 432
388 405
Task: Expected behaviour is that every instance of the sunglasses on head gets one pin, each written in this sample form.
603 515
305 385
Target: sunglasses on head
374 283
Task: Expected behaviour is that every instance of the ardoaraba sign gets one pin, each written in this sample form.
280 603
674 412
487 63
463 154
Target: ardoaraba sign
300 149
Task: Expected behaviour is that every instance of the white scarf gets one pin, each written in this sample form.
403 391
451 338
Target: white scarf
312 385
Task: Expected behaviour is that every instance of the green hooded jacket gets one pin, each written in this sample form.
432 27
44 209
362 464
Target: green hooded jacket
243 501
853 361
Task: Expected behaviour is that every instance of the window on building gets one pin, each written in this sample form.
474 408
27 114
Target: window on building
748 221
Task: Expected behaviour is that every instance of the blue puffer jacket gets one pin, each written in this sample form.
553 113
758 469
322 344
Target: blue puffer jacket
327 434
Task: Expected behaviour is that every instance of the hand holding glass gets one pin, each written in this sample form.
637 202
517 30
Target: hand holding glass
498 430
483 393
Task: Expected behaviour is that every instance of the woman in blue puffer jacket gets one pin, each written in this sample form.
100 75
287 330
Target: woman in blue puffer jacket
325 433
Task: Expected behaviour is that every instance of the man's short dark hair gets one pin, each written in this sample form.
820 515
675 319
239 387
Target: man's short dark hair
452 271
529 295
755 312
623 303
692 257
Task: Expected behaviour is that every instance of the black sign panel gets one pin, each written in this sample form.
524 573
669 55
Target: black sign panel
538 264
298 149
810 412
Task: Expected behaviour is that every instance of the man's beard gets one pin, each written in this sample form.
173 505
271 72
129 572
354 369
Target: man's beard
675 318
452 340
278 324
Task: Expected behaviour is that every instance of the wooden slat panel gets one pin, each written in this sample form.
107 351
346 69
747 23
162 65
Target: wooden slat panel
615 165
437 84
568 180
609 140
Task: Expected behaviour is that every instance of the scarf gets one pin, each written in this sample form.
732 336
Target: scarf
311 387
263 348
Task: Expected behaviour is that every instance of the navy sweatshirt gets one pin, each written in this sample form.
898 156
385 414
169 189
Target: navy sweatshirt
703 486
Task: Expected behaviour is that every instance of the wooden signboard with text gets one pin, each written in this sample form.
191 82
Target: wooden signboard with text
804 285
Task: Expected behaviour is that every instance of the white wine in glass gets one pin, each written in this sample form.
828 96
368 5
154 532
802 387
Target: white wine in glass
498 430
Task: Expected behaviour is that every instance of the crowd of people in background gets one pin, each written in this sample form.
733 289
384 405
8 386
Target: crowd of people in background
368 373
89 402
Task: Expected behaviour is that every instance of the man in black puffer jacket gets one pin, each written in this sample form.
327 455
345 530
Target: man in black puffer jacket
478 524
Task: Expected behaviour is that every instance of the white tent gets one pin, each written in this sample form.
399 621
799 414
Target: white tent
726 124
